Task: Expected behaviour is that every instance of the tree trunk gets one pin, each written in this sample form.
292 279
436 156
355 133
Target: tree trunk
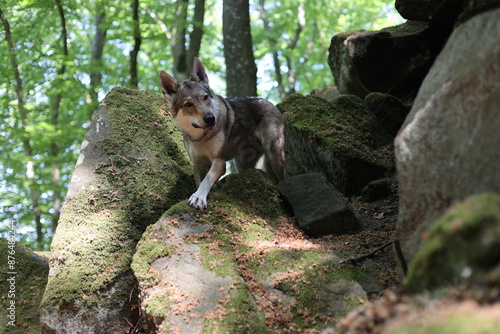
134 77
241 71
197 33
28 152
54 150
276 58
183 55
96 60
178 43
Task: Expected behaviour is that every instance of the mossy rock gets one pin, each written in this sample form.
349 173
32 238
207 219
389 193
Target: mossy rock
134 167
460 247
463 322
241 267
376 190
388 109
23 276
339 138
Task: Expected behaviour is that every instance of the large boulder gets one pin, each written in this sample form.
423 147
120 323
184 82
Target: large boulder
23 276
393 60
339 138
241 267
132 167
460 247
438 12
448 147
442 11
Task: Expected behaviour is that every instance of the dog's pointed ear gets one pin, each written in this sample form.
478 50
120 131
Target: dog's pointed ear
169 86
198 73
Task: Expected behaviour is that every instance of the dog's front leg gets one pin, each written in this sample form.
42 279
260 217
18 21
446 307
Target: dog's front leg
199 198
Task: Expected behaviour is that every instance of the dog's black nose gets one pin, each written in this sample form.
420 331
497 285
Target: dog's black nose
209 119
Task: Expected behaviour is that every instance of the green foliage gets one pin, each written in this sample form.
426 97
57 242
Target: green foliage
305 63
37 36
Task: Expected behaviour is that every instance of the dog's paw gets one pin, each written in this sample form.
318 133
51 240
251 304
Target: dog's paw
198 201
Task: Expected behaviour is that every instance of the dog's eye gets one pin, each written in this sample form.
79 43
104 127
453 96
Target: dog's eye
205 97
188 104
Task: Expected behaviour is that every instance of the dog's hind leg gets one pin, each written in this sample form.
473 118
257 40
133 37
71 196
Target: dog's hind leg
274 161
247 161
249 152
274 150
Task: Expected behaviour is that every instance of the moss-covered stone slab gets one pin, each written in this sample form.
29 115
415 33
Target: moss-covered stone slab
318 207
461 247
339 138
376 190
390 110
240 267
132 167
23 275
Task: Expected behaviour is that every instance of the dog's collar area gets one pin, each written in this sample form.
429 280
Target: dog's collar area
199 139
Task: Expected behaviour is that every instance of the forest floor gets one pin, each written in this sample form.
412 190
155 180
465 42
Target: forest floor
378 220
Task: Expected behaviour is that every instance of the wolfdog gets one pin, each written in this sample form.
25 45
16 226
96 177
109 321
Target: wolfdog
217 129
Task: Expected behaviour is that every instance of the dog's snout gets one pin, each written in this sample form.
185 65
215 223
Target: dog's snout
209 119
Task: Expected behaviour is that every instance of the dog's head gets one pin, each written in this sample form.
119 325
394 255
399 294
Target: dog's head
191 101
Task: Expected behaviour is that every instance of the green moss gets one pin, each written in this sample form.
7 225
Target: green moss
148 250
461 245
452 324
245 217
22 281
147 171
343 124
159 305
242 315
97 247
144 148
181 208
247 200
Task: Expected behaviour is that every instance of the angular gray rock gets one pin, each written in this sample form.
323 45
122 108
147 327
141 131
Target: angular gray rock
376 190
241 266
388 109
448 147
339 138
319 208
393 60
443 12
132 167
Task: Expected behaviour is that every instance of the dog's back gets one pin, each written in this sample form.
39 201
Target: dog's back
255 127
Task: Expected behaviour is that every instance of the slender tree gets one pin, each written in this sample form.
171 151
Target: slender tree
291 45
56 103
241 71
134 77
183 51
96 64
28 151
